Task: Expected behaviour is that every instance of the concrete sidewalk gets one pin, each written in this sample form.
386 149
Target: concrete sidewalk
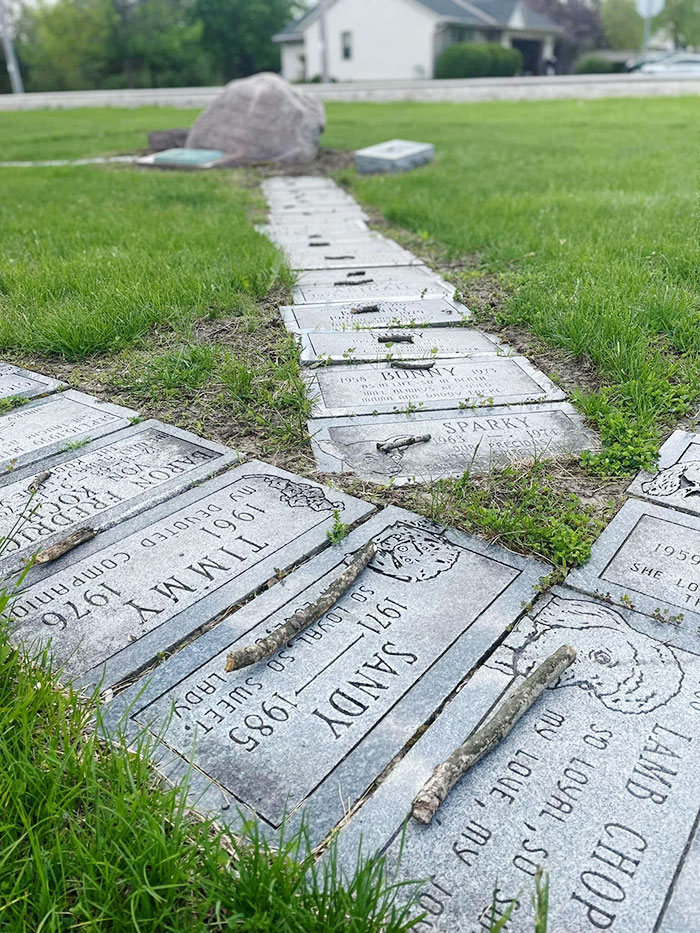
559 87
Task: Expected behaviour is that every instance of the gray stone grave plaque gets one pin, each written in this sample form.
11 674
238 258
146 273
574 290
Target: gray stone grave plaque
314 725
184 158
478 441
51 425
314 229
373 346
597 784
374 289
676 481
377 387
110 608
397 155
430 312
99 485
419 277
284 201
648 558
345 257
331 213
20 383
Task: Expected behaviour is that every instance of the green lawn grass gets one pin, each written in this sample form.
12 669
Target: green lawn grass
587 211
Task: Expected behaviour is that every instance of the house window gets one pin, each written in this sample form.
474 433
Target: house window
346 45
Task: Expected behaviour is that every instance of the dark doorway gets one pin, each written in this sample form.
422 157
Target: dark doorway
531 50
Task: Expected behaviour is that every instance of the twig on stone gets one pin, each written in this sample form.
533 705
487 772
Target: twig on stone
63 547
412 364
395 338
388 446
484 740
302 618
367 309
38 481
358 282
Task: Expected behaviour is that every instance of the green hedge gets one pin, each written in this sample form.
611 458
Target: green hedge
593 65
478 60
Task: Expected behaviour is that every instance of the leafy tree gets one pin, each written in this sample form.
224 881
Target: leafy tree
681 18
622 24
237 34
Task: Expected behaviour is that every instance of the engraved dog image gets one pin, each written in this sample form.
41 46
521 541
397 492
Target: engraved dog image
681 479
625 670
363 456
408 552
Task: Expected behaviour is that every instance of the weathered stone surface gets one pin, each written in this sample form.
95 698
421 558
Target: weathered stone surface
418 343
367 284
110 608
397 155
261 119
315 724
648 558
320 227
100 485
676 482
159 140
20 383
598 784
342 317
348 256
368 388
460 441
51 425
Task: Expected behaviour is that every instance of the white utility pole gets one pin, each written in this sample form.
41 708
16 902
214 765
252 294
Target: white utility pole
324 40
10 57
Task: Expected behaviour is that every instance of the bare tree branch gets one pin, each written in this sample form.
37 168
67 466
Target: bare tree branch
63 547
302 618
484 740
412 364
38 481
403 442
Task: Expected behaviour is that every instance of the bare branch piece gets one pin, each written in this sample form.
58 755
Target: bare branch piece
63 547
412 364
395 338
484 740
358 282
38 481
338 257
367 309
403 442
302 618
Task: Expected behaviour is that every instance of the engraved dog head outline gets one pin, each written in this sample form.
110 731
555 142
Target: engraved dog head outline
413 554
363 455
680 479
624 669
295 494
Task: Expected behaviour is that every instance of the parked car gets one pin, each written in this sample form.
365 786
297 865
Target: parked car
678 63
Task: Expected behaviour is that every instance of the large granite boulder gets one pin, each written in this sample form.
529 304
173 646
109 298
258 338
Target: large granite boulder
261 119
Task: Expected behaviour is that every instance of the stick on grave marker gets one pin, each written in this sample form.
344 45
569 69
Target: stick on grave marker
266 647
434 792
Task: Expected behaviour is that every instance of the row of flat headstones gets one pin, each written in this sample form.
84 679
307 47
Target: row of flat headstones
481 403
598 784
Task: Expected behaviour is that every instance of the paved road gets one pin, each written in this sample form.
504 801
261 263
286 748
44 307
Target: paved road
561 87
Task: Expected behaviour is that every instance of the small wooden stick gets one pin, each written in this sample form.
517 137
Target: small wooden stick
368 309
358 282
266 647
63 547
38 481
484 740
403 442
412 364
395 338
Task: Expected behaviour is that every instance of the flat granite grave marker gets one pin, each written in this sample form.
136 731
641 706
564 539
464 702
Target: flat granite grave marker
367 284
20 383
184 158
598 785
347 256
356 316
364 389
100 485
676 482
51 425
373 346
315 724
648 558
110 608
477 441
396 155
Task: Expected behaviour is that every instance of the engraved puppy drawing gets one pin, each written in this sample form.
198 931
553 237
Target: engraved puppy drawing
408 552
681 478
625 670
363 456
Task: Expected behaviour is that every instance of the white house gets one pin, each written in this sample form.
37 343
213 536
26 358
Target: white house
399 39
